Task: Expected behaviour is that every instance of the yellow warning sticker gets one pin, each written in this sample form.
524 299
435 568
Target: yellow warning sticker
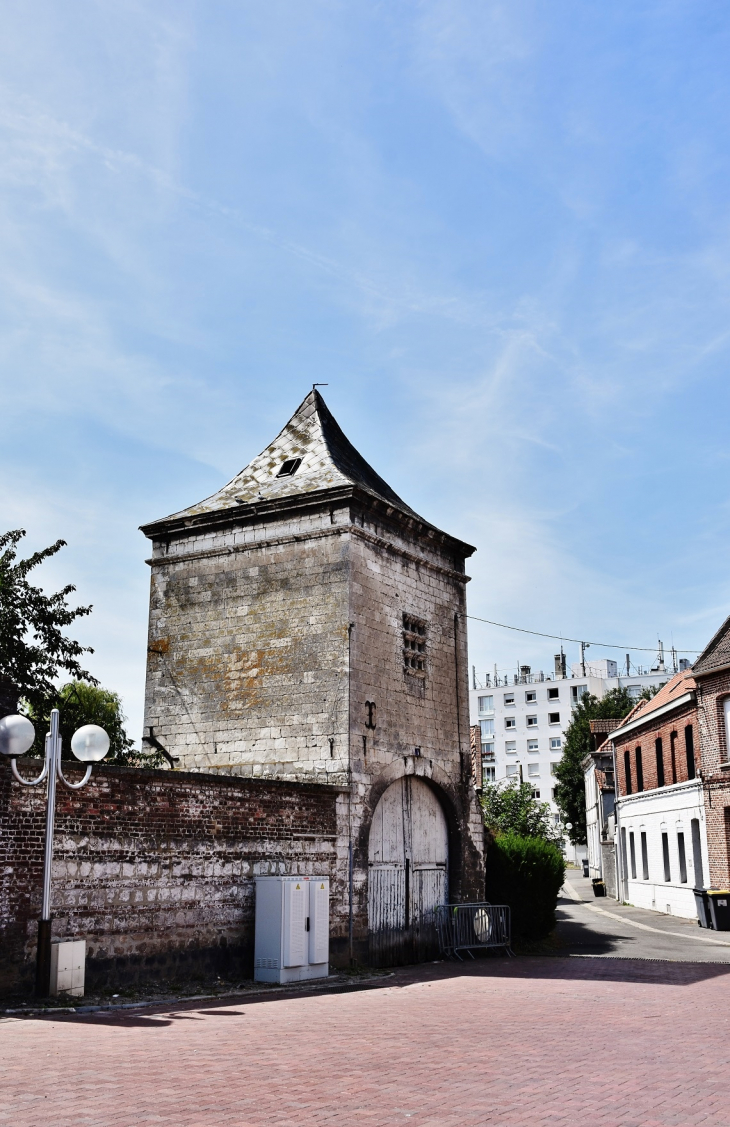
322 887
299 886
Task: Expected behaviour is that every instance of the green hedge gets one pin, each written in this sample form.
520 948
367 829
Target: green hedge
526 873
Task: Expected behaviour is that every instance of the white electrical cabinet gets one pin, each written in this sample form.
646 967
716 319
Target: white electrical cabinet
292 928
68 964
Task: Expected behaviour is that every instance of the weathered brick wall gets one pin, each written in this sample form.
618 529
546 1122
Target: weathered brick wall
154 868
645 738
712 690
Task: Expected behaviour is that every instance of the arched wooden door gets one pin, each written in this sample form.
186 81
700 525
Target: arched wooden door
408 855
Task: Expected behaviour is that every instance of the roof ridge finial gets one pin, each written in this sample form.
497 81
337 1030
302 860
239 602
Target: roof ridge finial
316 385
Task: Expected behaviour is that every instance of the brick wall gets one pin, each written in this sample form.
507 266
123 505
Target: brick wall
712 690
645 738
154 868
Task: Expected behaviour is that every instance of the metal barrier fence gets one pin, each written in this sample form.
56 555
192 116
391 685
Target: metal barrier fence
469 927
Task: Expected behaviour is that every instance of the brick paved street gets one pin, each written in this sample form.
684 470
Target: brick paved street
531 1041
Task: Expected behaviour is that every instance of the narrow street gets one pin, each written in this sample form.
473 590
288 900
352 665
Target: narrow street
591 926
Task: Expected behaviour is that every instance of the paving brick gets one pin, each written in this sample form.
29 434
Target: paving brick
534 1042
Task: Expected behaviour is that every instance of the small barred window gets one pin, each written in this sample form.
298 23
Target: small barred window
414 645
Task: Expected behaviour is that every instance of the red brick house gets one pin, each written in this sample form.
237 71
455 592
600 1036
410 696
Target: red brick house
711 672
660 801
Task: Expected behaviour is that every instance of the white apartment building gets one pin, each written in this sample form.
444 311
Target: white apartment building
523 717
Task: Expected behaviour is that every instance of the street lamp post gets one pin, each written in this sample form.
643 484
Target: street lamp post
89 744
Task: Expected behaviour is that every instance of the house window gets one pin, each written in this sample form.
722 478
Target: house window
533 769
639 770
632 851
682 859
509 698
726 710
553 694
486 728
488 774
289 467
576 692
689 749
530 697
486 704
532 721
510 746
414 645
488 752
556 743
665 855
535 792
532 745
511 769
552 768
627 770
659 761
644 856
510 722
673 754
553 717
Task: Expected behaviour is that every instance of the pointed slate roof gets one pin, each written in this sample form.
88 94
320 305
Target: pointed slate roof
716 654
328 461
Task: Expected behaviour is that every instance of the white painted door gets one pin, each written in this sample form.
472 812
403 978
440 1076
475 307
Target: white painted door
408 863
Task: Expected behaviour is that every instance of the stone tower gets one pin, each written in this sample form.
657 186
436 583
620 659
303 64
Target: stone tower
306 624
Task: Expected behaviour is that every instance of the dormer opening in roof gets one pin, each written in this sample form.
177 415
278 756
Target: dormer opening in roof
289 467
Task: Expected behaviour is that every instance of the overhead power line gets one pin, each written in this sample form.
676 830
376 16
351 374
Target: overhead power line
563 638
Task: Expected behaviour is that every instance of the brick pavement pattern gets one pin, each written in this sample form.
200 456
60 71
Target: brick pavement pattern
612 1042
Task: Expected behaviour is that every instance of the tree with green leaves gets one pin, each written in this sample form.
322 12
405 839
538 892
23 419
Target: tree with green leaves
79 703
570 793
33 648
34 652
511 808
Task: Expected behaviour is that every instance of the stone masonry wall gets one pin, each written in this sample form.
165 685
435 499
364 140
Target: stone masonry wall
248 647
421 723
155 868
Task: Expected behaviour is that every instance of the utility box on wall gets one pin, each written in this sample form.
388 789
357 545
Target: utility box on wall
68 963
292 928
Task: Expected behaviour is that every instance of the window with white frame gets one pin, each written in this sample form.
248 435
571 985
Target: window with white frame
553 717
552 768
488 752
510 722
511 769
533 769
489 774
487 728
532 721
556 743
486 704
530 696
726 708
509 698
553 694
576 692
510 746
532 745
535 792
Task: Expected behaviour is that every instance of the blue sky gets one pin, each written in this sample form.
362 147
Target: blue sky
499 232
